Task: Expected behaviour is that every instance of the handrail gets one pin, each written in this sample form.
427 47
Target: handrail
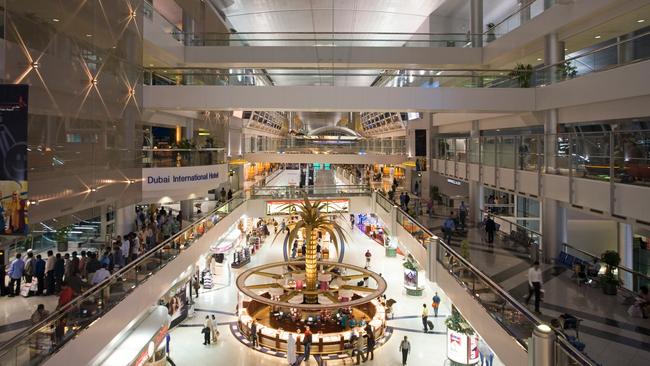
592 256
616 44
373 33
155 149
510 222
335 72
508 17
77 301
499 290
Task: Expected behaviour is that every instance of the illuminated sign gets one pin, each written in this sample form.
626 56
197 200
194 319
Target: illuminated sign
288 207
454 182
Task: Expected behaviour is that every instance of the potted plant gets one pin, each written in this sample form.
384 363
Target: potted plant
609 281
523 74
566 70
61 237
462 341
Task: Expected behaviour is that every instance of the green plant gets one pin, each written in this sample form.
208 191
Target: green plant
464 249
457 323
61 234
409 265
523 74
567 70
611 260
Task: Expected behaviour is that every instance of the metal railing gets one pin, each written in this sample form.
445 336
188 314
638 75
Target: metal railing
528 10
527 239
311 191
620 157
39 342
157 158
257 144
327 39
513 317
630 279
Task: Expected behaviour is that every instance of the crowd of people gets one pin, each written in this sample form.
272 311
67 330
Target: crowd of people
67 275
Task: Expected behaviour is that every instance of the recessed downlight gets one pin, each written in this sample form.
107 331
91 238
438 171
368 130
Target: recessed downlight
88 35
640 21
597 37
539 59
56 20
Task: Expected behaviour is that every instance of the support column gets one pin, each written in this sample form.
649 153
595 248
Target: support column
543 346
625 250
476 22
475 187
186 210
553 54
553 228
625 51
125 220
431 245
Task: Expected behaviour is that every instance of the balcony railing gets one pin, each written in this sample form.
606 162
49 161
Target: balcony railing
38 343
622 156
257 144
327 39
159 158
311 191
528 10
513 317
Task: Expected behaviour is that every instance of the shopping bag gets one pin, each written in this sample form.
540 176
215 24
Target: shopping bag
24 289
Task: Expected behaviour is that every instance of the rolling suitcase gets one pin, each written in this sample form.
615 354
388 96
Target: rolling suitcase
430 324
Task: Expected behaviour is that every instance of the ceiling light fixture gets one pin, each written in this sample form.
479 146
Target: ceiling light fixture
35 64
150 65
539 59
94 81
133 14
597 37
56 20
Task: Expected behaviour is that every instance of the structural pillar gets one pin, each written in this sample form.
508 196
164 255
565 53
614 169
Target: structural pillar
475 187
476 22
625 250
553 54
542 346
431 245
125 220
186 209
554 231
625 50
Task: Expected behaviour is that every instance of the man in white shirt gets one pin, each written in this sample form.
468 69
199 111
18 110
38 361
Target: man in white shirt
535 284
101 275
125 248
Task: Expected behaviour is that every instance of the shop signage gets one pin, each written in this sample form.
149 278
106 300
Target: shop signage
210 176
454 182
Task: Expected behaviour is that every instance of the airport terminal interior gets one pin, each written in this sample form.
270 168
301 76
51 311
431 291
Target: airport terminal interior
325 182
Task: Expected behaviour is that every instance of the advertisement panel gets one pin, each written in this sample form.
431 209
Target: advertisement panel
462 348
13 162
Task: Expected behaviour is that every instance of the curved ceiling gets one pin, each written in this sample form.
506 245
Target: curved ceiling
327 15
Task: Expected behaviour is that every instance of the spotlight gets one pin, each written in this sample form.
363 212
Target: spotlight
94 81
35 64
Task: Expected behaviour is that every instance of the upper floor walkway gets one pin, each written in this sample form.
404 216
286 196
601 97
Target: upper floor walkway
525 26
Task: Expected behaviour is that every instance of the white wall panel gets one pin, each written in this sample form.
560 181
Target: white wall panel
591 193
507 178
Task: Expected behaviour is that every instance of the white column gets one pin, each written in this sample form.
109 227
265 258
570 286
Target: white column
186 209
432 251
125 220
475 188
625 250
553 228
476 22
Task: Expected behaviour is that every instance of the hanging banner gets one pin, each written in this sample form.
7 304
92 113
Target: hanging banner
13 161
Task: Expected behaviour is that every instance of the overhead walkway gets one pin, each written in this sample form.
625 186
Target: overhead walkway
166 42
459 91
605 172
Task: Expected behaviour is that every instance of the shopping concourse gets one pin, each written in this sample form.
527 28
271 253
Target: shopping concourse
388 182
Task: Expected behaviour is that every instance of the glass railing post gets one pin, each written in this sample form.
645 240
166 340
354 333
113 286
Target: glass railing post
543 346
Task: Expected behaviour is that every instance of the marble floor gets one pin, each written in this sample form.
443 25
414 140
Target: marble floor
611 336
186 346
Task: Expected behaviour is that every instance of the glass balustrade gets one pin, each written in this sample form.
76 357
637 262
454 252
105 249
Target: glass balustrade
36 344
311 191
623 156
526 11
157 158
258 144
324 39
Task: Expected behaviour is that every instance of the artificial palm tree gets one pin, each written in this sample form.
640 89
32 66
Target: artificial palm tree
312 219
